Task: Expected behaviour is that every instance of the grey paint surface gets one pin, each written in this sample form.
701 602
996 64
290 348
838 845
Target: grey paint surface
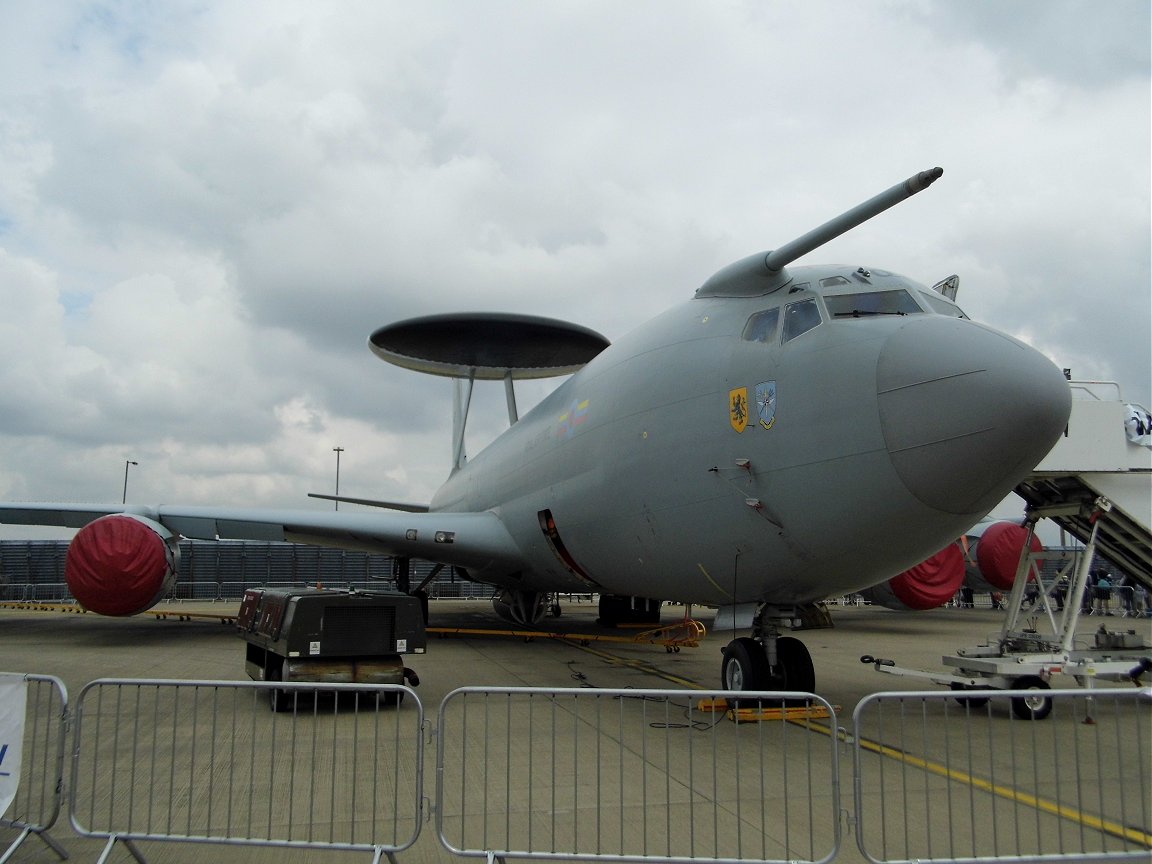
690 462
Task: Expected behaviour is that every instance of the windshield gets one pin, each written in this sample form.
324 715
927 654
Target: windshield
941 305
868 303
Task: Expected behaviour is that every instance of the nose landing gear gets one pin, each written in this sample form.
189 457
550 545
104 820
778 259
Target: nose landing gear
767 661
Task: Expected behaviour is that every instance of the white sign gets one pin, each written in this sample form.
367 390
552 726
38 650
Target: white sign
13 699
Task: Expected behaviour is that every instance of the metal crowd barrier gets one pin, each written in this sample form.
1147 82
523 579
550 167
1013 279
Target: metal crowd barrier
617 775
634 775
947 779
209 762
39 793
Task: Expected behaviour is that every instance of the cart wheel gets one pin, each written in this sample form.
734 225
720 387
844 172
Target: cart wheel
1034 706
278 700
969 701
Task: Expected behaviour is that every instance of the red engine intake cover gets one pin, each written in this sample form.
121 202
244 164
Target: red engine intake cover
998 553
932 582
119 565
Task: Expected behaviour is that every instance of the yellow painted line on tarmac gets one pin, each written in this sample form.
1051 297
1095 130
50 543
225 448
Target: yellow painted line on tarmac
222 617
1008 793
663 636
1044 805
638 665
43 607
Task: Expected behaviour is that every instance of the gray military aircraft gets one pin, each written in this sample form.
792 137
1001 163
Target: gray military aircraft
786 435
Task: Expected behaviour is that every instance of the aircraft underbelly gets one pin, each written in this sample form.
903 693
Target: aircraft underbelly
795 544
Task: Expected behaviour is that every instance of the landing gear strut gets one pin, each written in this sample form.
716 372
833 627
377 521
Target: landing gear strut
766 660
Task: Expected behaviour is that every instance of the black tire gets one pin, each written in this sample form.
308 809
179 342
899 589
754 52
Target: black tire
278 700
1033 707
796 663
744 668
282 701
969 701
793 671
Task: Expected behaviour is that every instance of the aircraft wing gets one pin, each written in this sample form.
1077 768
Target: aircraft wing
473 540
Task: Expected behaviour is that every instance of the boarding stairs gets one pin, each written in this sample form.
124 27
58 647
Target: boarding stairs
1100 457
1096 484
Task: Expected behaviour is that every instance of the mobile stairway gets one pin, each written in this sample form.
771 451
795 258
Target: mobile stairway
1096 485
1102 455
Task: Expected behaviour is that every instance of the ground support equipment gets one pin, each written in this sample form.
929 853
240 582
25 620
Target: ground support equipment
1023 658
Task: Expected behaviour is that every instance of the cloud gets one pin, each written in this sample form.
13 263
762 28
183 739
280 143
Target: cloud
1074 43
205 209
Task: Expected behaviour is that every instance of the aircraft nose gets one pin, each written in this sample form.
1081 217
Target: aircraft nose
966 411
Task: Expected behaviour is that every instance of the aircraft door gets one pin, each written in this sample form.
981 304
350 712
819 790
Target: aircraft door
556 544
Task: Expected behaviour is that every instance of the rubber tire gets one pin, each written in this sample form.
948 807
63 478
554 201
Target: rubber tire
745 667
1031 707
799 673
969 701
795 671
279 701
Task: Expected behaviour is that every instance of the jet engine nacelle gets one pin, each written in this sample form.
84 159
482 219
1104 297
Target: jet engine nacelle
931 583
994 556
121 564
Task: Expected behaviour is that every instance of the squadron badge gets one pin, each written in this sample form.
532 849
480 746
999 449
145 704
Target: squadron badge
738 408
574 417
766 403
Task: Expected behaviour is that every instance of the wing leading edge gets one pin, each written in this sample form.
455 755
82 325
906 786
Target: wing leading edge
472 540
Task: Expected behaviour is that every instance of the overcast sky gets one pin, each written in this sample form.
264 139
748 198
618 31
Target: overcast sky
206 207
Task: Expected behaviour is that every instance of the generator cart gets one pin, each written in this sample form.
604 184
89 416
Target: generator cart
329 636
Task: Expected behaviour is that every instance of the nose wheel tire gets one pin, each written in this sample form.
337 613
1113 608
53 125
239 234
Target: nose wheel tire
795 666
745 667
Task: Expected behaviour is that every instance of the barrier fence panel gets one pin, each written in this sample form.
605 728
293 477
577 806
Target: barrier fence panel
946 778
39 792
632 775
209 761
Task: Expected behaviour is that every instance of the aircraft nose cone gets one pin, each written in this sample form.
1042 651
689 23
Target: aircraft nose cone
966 411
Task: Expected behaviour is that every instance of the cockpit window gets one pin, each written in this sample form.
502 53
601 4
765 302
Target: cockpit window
871 303
942 306
800 318
761 327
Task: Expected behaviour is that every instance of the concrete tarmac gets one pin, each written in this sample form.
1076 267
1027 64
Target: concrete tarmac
79 648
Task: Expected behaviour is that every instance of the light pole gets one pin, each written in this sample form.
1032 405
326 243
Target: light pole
127 462
337 451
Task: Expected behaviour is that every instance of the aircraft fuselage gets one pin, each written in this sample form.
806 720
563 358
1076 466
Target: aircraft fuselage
726 453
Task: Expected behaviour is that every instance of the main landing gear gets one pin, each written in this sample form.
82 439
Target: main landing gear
766 660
